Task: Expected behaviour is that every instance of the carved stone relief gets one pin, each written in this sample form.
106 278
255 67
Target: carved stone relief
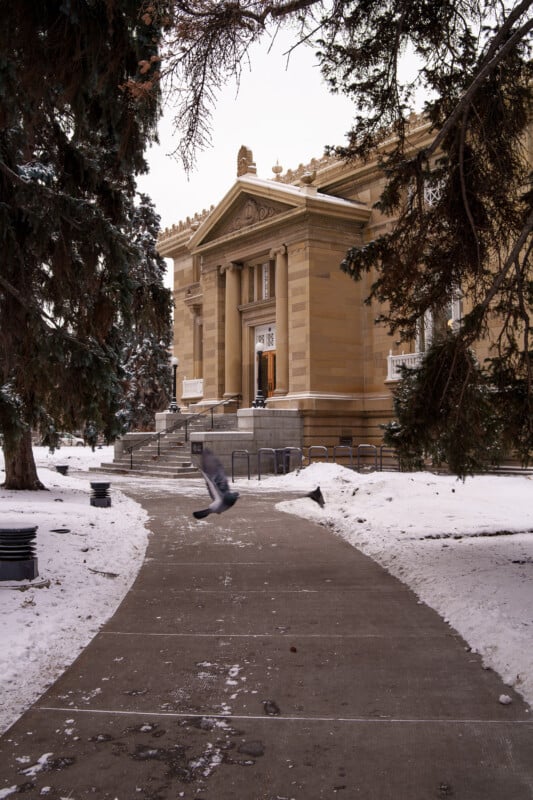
251 211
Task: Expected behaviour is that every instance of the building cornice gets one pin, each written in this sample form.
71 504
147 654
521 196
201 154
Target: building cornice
317 179
299 201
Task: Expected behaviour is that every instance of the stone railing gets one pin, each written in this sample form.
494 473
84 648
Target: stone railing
394 364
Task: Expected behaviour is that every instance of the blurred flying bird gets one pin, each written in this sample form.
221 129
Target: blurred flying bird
316 495
217 485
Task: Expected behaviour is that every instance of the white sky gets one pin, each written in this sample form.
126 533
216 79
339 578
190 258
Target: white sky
432 532
282 112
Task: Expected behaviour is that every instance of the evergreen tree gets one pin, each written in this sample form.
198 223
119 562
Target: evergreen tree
476 237
445 413
147 337
78 104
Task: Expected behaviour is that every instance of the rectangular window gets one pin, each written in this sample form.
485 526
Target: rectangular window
436 323
196 268
261 282
265 281
251 284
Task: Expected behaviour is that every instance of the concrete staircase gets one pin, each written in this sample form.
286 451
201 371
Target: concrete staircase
170 455
172 461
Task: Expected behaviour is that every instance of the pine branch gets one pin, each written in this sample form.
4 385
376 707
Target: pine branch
490 65
504 270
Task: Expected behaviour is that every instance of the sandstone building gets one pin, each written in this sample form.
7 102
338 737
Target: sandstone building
260 272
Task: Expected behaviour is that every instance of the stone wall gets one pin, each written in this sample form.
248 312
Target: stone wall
256 428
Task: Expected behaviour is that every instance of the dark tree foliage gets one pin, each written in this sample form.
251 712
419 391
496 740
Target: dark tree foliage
475 239
72 137
147 335
444 413
205 43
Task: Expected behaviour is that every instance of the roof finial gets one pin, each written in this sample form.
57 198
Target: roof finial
277 170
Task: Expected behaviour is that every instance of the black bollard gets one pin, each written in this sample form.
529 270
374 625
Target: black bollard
100 496
17 554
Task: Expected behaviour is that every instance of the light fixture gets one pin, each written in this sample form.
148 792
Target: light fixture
259 401
173 407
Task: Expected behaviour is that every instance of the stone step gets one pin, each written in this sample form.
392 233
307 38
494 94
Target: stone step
155 472
153 454
143 464
164 447
168 456
125 458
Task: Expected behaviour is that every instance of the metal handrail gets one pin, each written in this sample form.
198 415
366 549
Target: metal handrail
182 423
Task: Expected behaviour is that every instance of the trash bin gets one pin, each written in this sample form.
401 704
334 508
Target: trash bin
282 461
17 552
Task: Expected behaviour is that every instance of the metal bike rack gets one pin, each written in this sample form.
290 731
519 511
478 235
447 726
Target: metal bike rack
260 453
370 448
240 453
391 453
322 449
298 452
343 447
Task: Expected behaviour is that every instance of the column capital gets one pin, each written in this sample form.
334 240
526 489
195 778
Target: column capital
278 251
231 266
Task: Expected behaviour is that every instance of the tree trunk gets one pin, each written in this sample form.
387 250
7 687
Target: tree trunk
21 472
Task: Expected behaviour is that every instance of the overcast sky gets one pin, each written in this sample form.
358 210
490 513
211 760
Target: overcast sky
282 112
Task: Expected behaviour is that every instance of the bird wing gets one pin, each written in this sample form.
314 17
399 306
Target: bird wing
215 477
211 487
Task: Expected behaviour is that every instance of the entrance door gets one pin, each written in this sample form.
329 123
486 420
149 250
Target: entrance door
265 340
268 373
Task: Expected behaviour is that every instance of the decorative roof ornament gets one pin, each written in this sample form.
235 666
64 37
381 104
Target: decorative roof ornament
186 225
294 175
277 170
245 162
308 177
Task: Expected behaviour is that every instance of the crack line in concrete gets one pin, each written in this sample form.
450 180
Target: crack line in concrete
280 718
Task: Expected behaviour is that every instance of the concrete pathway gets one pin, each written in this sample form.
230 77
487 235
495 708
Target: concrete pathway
260 657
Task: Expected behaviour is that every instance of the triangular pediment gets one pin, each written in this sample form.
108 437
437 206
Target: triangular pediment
247 210
253 203
250 203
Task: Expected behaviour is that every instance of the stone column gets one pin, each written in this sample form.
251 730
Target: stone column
282 320
232 343
198 365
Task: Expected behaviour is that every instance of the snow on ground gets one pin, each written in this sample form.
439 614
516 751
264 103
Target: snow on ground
466 548
88 557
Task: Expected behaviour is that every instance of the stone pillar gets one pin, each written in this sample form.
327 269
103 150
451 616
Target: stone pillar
282 320
232 343
198 366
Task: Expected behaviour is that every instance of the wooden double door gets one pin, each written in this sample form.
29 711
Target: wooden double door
268 373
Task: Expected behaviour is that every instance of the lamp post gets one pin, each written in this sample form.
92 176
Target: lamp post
259 401
173 407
